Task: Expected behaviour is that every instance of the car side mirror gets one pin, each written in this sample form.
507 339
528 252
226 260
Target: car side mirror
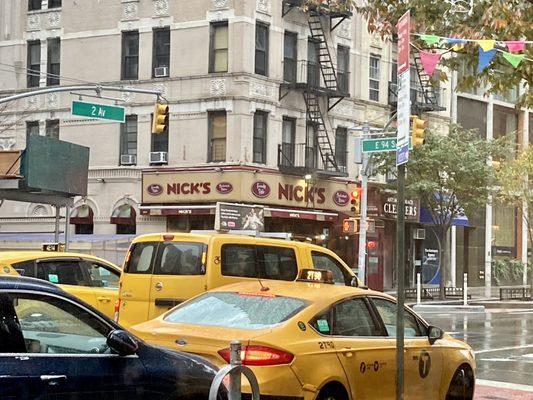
122 343
354 282
434 334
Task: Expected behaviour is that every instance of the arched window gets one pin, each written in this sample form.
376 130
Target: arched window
124 218
82 217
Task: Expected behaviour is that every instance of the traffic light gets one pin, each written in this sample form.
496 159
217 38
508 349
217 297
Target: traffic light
355 201
418 131
160 118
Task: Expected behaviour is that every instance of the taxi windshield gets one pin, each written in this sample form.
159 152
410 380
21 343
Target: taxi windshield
237 310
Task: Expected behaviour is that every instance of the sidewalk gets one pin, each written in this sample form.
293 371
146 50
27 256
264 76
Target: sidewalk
492 390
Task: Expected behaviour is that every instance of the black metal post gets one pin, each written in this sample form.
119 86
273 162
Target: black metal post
400 268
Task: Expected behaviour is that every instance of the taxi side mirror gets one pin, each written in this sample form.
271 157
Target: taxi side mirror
354 282
122 343
434 334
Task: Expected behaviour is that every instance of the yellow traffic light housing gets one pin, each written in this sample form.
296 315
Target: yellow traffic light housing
160 118
355 201
418 131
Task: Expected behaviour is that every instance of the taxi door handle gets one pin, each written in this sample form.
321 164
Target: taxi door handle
104 299
347 351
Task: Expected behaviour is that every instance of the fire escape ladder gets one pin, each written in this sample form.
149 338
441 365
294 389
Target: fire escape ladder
314 115
428 89
324 56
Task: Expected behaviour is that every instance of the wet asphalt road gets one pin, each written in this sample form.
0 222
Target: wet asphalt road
502 340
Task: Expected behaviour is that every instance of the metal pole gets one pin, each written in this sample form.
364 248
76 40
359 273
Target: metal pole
364 195
418 289
465 288
235 376
67 226
95 88
400 267
56 228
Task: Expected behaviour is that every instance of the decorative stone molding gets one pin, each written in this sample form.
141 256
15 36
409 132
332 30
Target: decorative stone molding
7 143
160 8
54 20
39 211
162 87
130 11
52 100
258 89
263 6
217 87
34 22
32 102
128 97
220 3
344 29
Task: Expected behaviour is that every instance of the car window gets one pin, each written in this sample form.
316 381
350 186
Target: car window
325 261
237 310
101 275
53 325
25 268
11 339
139 258
180 258
387 311
267 262
352 318
62 272
323 322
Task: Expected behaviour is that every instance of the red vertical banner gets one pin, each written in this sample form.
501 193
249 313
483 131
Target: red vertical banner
404 29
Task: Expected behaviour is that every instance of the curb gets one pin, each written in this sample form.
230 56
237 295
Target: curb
443 308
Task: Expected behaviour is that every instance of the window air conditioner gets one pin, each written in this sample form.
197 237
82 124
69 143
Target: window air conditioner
419 234
160 72
158 157
128 159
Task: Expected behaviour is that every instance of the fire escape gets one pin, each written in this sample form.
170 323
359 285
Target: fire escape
322 87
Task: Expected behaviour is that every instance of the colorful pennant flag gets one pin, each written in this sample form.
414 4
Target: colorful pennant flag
429 61
486 45
515 46
485 57
514 59
430 39
456 41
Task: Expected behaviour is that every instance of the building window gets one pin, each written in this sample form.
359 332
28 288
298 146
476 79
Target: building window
217 136
260 136
374 78
52 128
341 143
53 67
54 3
261 49
130 55
343 68
32 128
288 137
290 56
218 54
472 114
161 53
128 140
313 66
34 5
34 63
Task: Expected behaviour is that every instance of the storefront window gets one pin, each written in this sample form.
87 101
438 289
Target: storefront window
504 230
470 256
505 121
472 114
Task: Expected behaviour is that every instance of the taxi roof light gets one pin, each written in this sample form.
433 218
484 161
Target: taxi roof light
316 276
259 356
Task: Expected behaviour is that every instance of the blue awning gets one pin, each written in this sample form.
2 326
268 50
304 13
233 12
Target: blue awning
427 219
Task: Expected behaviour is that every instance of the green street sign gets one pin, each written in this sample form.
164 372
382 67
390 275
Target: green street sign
98 111
381 144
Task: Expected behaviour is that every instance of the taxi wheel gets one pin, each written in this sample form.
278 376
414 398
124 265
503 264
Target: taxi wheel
333 392
462 384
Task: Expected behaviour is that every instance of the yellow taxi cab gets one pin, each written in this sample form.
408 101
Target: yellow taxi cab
162 270
309 340
92 279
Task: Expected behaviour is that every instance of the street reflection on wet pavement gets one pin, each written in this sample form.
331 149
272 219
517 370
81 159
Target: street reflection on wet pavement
501 338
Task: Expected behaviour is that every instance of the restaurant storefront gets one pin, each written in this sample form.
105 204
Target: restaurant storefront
310 209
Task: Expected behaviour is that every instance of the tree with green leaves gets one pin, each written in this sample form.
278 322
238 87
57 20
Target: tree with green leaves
515 189
451 177
488 19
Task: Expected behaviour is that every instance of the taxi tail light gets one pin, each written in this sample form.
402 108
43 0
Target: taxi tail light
260 356
117 310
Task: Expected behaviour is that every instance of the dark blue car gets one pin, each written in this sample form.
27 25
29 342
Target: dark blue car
53 346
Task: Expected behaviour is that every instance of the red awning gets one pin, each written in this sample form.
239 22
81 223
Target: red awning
178 210
82 215
300 214
123 215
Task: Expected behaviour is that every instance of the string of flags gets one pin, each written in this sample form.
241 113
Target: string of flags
512 51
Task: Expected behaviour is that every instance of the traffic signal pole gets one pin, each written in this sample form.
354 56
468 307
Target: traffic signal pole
361 265
400 267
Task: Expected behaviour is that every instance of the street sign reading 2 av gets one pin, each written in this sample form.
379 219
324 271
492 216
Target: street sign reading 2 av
98 111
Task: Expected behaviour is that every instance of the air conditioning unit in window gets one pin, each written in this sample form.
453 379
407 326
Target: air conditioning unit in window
419 234
128 159
158 157
160 72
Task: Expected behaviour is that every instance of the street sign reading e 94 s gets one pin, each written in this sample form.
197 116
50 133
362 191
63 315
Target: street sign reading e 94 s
98 111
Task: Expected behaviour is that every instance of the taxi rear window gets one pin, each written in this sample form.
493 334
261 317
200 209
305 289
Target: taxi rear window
237 310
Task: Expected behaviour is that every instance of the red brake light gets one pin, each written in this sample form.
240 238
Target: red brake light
168 238
260 356
117 310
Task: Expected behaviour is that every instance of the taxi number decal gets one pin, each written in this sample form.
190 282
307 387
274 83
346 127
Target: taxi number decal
326 345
